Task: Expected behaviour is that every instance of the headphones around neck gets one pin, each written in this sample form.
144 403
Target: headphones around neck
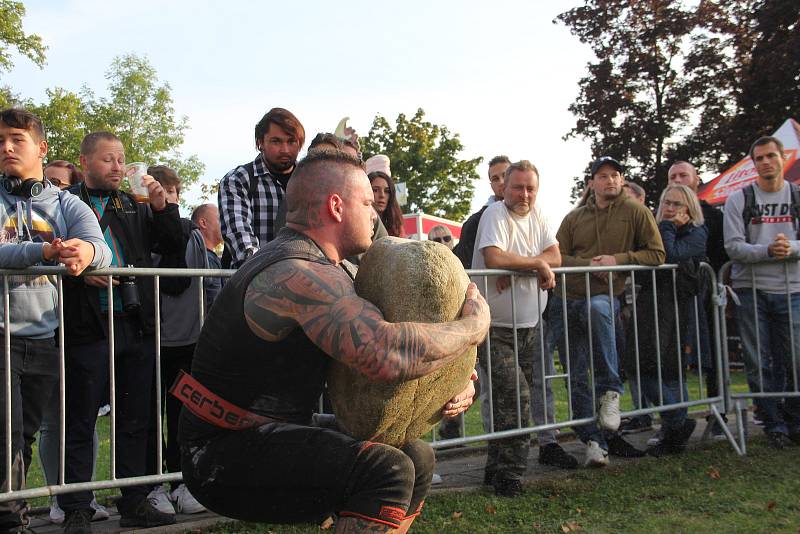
27 188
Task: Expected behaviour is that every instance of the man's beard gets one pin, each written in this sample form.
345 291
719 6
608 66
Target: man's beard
103 183
611 196
521 209
279 167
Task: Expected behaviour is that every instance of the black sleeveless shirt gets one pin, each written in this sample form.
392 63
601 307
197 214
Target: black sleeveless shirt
282 379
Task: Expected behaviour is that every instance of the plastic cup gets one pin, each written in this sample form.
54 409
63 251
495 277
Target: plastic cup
135 172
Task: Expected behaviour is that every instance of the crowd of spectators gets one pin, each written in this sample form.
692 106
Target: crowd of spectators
57 214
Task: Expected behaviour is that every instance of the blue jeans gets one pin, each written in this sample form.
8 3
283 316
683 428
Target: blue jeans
605 322
775 360
671 394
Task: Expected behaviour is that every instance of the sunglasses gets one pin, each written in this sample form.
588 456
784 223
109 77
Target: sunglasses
445 239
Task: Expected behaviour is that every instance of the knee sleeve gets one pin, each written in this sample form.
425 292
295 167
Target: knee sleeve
381 485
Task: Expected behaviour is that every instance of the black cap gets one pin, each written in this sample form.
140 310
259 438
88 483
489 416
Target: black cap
605 160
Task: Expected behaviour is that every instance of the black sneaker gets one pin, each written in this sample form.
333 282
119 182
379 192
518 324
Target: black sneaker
553 454
661 449
681 435
617 446
636 424
78 521
778 440
507 487
488 478
794 437
145 515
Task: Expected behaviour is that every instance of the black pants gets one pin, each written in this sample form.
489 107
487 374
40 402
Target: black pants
34 374
285 473
87 382
173 361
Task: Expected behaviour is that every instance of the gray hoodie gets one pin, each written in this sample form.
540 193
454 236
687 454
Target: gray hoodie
180 315
27 224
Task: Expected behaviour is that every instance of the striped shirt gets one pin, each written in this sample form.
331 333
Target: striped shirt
247 217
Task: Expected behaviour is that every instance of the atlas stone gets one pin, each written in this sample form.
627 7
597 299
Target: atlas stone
420 281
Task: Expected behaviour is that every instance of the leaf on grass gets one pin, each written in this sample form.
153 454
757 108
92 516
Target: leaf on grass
713 473
457 515
771 505
578 510
712 493
327 524
570 526
491 509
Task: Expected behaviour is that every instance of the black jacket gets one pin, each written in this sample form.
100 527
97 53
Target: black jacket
140 232
466 243
716 242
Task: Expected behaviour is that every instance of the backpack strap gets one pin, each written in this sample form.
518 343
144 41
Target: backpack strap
795 207
749 210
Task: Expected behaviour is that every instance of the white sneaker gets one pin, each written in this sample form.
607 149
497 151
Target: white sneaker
656 438
100 512
608 414
436 480
596 456
185 503
57 514
160 500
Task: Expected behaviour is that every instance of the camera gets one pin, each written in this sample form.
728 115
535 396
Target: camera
129 293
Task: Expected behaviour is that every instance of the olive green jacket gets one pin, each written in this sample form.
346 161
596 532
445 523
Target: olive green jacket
625 229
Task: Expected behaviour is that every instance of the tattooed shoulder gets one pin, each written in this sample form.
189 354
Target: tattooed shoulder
280 296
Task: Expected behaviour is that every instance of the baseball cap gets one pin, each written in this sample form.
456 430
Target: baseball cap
605 160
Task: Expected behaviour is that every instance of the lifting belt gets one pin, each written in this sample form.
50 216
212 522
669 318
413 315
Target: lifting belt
212 408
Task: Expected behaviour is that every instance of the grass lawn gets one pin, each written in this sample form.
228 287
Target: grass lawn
706 490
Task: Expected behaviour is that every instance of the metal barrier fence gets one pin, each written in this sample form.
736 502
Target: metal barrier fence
761 356
701 398
112 482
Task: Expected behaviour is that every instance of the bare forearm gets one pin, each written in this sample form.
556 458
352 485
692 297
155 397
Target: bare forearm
418 349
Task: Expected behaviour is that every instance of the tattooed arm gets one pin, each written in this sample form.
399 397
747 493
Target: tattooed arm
322 301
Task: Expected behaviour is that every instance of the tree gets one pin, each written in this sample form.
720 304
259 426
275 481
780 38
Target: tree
140 111
64 116
12 37
638 94
424 157
673 82
768 88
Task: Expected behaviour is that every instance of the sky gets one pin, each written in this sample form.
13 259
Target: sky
498 73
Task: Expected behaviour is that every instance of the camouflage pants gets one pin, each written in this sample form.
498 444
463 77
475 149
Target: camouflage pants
508 457
451 428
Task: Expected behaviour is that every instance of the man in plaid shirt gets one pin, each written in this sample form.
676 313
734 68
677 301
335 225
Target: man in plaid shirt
250 194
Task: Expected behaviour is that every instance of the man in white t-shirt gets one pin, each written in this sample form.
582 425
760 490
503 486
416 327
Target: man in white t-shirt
513 235
756 230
